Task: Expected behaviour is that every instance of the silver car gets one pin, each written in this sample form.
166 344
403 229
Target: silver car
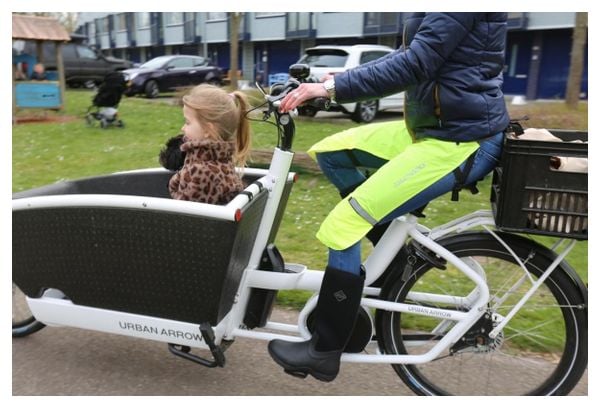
333 59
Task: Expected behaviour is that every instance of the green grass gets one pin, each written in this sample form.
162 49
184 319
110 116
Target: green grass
45 153
48 152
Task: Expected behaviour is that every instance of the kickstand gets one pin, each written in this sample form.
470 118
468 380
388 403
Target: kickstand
208 335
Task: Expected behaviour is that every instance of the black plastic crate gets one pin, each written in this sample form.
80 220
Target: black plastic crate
529 196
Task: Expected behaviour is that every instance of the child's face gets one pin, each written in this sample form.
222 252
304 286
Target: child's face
191 129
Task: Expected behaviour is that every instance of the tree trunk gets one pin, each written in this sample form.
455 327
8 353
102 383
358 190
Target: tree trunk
234 32
577 59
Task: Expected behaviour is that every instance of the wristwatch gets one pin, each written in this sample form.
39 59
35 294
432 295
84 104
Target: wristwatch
329 86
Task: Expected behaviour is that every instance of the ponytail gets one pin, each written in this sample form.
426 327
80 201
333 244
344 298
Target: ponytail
243 138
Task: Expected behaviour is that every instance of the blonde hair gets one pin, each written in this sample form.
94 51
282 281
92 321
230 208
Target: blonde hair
226 115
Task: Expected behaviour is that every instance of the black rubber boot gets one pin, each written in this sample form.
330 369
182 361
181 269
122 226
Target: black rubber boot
335 316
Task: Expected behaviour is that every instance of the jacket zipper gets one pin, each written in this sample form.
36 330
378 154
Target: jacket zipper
410 131
437 109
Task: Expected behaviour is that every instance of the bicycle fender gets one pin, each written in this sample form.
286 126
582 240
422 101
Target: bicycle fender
402 260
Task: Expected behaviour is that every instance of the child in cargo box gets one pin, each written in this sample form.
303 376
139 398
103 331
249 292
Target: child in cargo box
215 139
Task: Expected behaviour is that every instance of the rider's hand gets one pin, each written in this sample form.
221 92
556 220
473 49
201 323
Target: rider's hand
301 94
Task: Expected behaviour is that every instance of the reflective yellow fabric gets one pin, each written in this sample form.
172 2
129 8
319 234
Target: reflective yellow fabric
384 140
413 167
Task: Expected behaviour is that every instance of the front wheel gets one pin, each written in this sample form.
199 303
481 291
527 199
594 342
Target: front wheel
365 111
151 89
23 322
541 351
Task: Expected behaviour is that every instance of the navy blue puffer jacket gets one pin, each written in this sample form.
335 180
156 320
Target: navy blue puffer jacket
451 69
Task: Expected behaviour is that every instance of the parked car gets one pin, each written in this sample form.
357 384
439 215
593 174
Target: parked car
83 65
170 72
333 59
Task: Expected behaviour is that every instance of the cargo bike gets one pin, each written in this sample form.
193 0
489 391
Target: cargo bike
463 308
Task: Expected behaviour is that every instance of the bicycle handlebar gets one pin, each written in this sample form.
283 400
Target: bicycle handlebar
300 73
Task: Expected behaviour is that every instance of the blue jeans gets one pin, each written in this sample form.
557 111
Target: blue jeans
343 173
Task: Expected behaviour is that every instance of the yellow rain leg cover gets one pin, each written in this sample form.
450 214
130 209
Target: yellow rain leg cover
413 168
385 140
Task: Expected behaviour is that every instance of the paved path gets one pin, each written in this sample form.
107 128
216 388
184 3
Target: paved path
64 361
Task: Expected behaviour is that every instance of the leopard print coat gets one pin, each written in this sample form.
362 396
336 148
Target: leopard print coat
208 174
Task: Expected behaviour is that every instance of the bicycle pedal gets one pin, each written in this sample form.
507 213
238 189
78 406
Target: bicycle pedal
299 374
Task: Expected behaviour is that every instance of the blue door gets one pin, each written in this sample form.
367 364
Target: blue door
554 70
282 55
518 56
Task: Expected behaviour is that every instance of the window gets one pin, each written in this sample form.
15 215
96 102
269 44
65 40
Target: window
370 56
120 22
180 63
298 21
188 17
143 20
155 63
325 58
382 19
217 16
389 18
199 62
268 14
303 21
102 25
173 18
372 19
382 23
85 52
68 52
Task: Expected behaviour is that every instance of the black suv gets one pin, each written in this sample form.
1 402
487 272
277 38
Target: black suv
83 65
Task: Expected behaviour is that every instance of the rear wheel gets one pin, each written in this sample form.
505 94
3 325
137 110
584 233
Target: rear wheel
365 111
89 84
541 351
151 89
23 322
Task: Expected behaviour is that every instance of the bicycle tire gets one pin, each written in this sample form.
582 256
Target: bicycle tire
529 360
23 322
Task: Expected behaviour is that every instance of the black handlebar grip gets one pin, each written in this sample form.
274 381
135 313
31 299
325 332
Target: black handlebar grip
320 103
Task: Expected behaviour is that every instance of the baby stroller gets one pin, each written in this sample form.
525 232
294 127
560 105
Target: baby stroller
106 101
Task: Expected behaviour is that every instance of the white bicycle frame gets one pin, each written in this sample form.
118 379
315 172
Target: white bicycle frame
52 309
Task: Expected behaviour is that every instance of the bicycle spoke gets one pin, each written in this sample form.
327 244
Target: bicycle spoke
524 358
537 338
